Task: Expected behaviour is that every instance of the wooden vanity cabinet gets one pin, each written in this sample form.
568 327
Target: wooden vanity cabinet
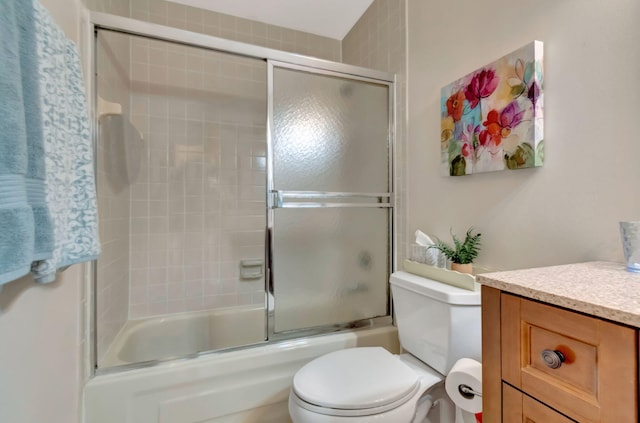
542 363
518 407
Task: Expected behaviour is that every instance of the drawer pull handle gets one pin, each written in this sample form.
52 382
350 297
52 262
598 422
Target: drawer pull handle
552 358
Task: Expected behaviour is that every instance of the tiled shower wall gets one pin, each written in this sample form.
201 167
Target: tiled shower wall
201 209
115 7
234 28
378 41
175 268
113 194
193 265
198 204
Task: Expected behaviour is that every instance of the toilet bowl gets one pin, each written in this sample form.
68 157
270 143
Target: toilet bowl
359 395
369 384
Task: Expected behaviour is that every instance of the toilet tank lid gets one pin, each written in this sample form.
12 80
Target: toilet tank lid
437 290
355 379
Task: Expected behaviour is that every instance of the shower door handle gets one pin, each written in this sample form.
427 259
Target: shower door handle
278 199
322 199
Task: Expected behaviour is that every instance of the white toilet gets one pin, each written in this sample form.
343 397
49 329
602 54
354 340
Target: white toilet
437 324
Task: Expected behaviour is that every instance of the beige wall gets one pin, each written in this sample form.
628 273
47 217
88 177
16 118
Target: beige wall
568 210
41 326
378 41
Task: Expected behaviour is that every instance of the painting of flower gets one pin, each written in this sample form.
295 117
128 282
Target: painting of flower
454 105
492 119
482 85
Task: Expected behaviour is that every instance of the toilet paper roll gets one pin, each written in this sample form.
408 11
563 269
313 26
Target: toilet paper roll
466 372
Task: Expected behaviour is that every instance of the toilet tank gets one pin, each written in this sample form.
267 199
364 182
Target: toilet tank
437 323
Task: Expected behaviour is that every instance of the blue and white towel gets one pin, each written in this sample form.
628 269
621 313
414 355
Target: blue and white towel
70 182
26 233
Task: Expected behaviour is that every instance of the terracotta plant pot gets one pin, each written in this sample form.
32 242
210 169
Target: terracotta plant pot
462 268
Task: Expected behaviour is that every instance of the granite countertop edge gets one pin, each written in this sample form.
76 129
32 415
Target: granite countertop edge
577 287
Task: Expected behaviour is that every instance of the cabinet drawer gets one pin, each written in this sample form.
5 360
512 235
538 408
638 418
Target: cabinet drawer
596 377
520 408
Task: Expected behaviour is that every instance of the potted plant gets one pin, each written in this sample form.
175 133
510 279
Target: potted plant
462 253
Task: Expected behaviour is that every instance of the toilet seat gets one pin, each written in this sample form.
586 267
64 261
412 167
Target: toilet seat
353 412
347 383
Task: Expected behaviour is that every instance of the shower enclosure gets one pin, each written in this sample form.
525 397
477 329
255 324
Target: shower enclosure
245 194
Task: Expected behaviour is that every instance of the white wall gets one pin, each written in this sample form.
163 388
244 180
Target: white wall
40 352
41 330
568 210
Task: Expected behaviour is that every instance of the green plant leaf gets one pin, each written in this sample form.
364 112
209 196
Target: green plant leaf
462 252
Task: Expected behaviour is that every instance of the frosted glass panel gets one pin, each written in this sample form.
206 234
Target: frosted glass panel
330 133
331 266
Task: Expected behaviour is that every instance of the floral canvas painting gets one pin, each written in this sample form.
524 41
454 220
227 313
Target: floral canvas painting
492 119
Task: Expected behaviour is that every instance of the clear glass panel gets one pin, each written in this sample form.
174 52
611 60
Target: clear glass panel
330 133
181 193
331 265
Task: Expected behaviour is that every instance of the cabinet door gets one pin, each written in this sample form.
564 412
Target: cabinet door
596 375
520 408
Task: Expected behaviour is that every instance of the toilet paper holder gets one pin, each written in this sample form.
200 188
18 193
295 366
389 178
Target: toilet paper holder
467 391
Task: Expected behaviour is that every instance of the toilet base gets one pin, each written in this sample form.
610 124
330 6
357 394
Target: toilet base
443 411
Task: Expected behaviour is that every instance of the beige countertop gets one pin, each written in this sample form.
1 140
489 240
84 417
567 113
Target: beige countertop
599 288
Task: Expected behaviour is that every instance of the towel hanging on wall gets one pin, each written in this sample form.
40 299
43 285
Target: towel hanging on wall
70 186
48 212
26 232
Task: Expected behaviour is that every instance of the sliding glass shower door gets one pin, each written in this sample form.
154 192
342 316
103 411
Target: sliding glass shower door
181 165
330 198
220 174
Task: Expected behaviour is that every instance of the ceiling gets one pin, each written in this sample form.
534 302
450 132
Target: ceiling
329 18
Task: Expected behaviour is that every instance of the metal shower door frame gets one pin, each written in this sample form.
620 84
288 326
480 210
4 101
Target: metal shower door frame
103 21
277 199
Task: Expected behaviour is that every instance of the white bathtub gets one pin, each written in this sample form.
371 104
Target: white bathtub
182 334
243 386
